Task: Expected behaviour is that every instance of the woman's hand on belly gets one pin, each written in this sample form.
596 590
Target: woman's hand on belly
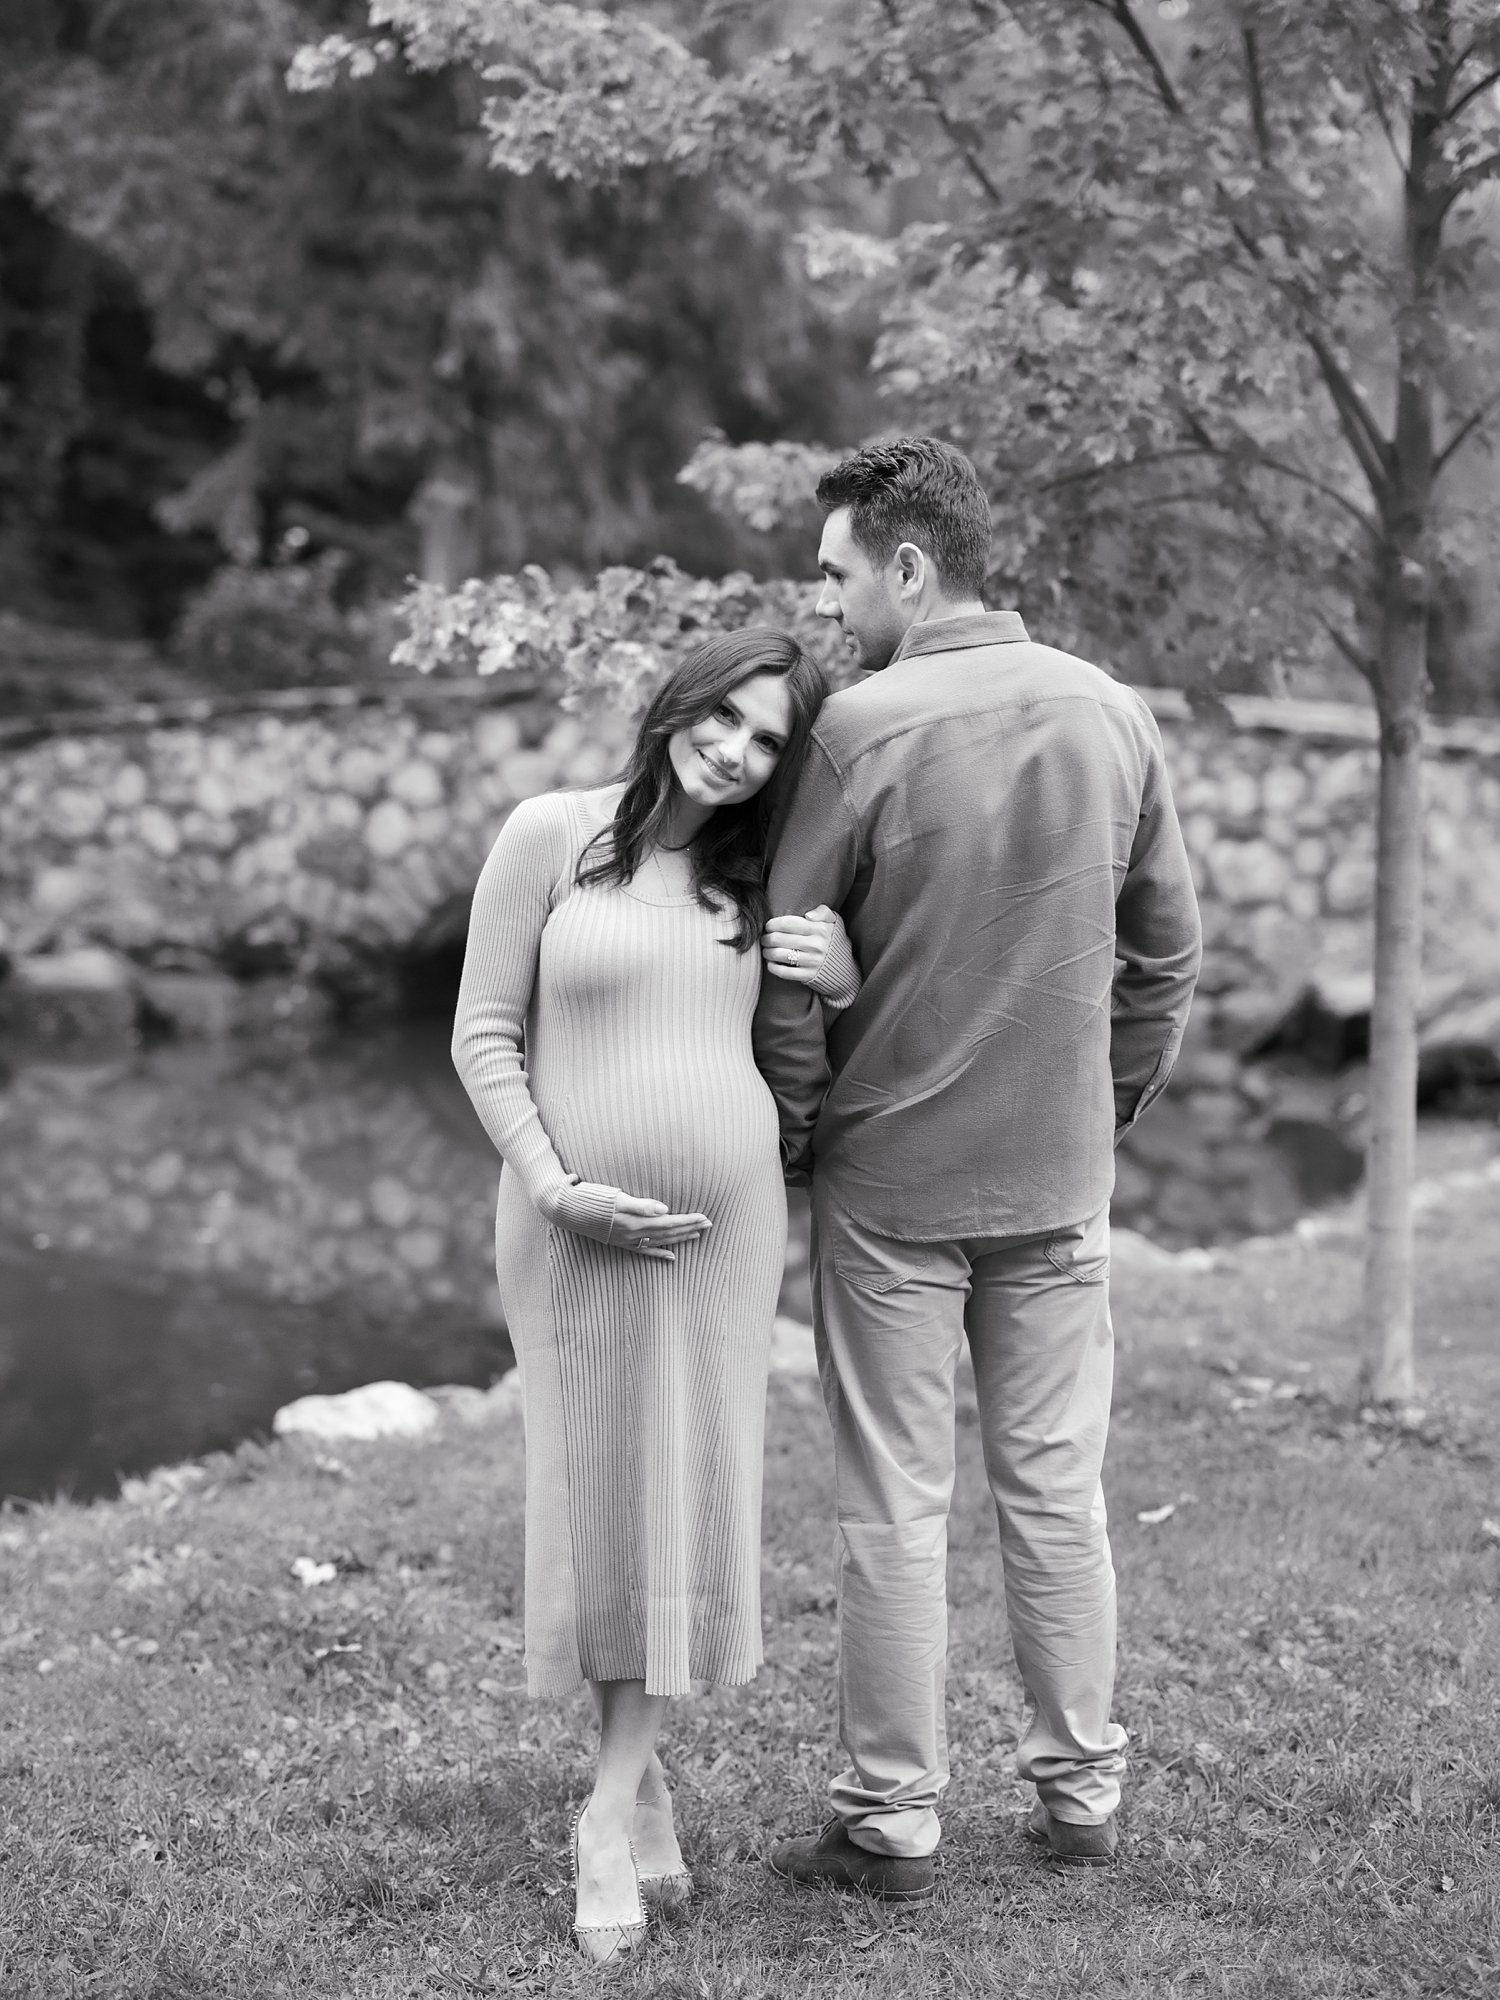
625 1221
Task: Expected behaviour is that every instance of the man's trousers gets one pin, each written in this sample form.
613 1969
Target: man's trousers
890 1320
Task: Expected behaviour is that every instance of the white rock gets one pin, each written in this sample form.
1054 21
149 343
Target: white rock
1282 790
393 1201
389 830
378 1410
528 773
417 784
495 736
128 786
75 813
58 891
159 832
1248 871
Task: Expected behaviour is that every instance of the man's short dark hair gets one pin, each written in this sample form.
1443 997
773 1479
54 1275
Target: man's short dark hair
916 489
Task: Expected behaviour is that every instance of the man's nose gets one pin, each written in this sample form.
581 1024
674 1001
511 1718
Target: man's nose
827 605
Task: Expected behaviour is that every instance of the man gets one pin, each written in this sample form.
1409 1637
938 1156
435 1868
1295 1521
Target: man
993 821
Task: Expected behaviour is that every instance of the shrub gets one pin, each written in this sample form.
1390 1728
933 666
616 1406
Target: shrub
282 627
603 643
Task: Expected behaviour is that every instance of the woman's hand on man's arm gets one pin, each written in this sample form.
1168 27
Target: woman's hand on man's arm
812 950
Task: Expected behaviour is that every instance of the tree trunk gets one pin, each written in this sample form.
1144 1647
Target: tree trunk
1388 1374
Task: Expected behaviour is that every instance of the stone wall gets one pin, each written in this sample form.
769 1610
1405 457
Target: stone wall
316 829
286 838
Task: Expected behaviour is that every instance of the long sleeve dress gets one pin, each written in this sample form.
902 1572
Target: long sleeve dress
603 1033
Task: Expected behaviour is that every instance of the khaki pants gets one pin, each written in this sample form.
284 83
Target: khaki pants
890 1319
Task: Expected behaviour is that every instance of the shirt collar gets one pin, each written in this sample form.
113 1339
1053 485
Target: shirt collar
953 635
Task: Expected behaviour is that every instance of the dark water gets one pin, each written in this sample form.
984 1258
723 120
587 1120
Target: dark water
196 1234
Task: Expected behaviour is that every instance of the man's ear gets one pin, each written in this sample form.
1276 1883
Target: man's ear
911 569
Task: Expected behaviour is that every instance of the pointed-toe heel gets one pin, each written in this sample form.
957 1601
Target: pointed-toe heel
667 1892
606 1944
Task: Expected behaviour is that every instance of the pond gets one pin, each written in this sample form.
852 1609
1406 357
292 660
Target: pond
195 1234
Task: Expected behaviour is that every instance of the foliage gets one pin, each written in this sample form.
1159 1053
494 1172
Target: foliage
281 627
1156 282
607 642
354 307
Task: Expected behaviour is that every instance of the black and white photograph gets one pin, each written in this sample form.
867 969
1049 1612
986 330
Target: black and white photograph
750 999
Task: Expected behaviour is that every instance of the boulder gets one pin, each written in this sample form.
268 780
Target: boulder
85 996
1460 1048
378 1410
192 1005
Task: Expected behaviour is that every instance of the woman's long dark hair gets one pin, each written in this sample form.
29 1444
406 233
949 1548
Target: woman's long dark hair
729 850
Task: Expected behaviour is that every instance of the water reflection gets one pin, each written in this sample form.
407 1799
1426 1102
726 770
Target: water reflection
197 1233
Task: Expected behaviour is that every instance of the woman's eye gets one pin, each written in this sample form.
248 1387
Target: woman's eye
723 713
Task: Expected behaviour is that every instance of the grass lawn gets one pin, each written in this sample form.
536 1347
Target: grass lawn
217 1782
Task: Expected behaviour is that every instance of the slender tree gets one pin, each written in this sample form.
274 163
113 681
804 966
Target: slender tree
1225 262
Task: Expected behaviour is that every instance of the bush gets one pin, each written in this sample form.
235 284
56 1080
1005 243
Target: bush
606 643
282 627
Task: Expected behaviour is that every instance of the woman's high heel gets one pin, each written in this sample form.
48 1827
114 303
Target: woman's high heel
606 1944
667 1890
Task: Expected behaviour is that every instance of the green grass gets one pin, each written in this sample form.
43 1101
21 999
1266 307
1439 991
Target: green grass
202 1795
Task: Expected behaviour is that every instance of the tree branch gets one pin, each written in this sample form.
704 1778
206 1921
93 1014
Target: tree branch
1461 104
1258 117
954 135
1356 420
1350 652
1382 116
1166 90
1476 420
1469 179
1206 446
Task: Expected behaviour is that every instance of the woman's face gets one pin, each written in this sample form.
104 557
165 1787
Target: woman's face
732 752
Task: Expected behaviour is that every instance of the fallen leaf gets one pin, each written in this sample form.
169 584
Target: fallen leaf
1489 1530
1152 1517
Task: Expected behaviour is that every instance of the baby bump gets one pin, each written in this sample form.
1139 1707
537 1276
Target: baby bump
696 1135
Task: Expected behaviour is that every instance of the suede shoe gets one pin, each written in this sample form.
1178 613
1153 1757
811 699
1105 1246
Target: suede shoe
832 1858
1088 1846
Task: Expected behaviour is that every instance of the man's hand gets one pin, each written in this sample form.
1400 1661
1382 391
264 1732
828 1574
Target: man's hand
638 1224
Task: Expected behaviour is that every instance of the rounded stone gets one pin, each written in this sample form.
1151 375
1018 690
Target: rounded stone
1248 871
158 831
1199 831
58 891
1350 885
389 830
421 1249
496 736
1310 856
1282 790
1442 835
527 773
1347 777
1303 901
417 784
213 796
75 813
128 786
1239 795
361 771
392 1201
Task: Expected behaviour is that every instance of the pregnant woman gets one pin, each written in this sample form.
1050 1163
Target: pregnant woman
603 1033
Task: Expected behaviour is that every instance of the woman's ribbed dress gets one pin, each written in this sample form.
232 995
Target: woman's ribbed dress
604 1036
